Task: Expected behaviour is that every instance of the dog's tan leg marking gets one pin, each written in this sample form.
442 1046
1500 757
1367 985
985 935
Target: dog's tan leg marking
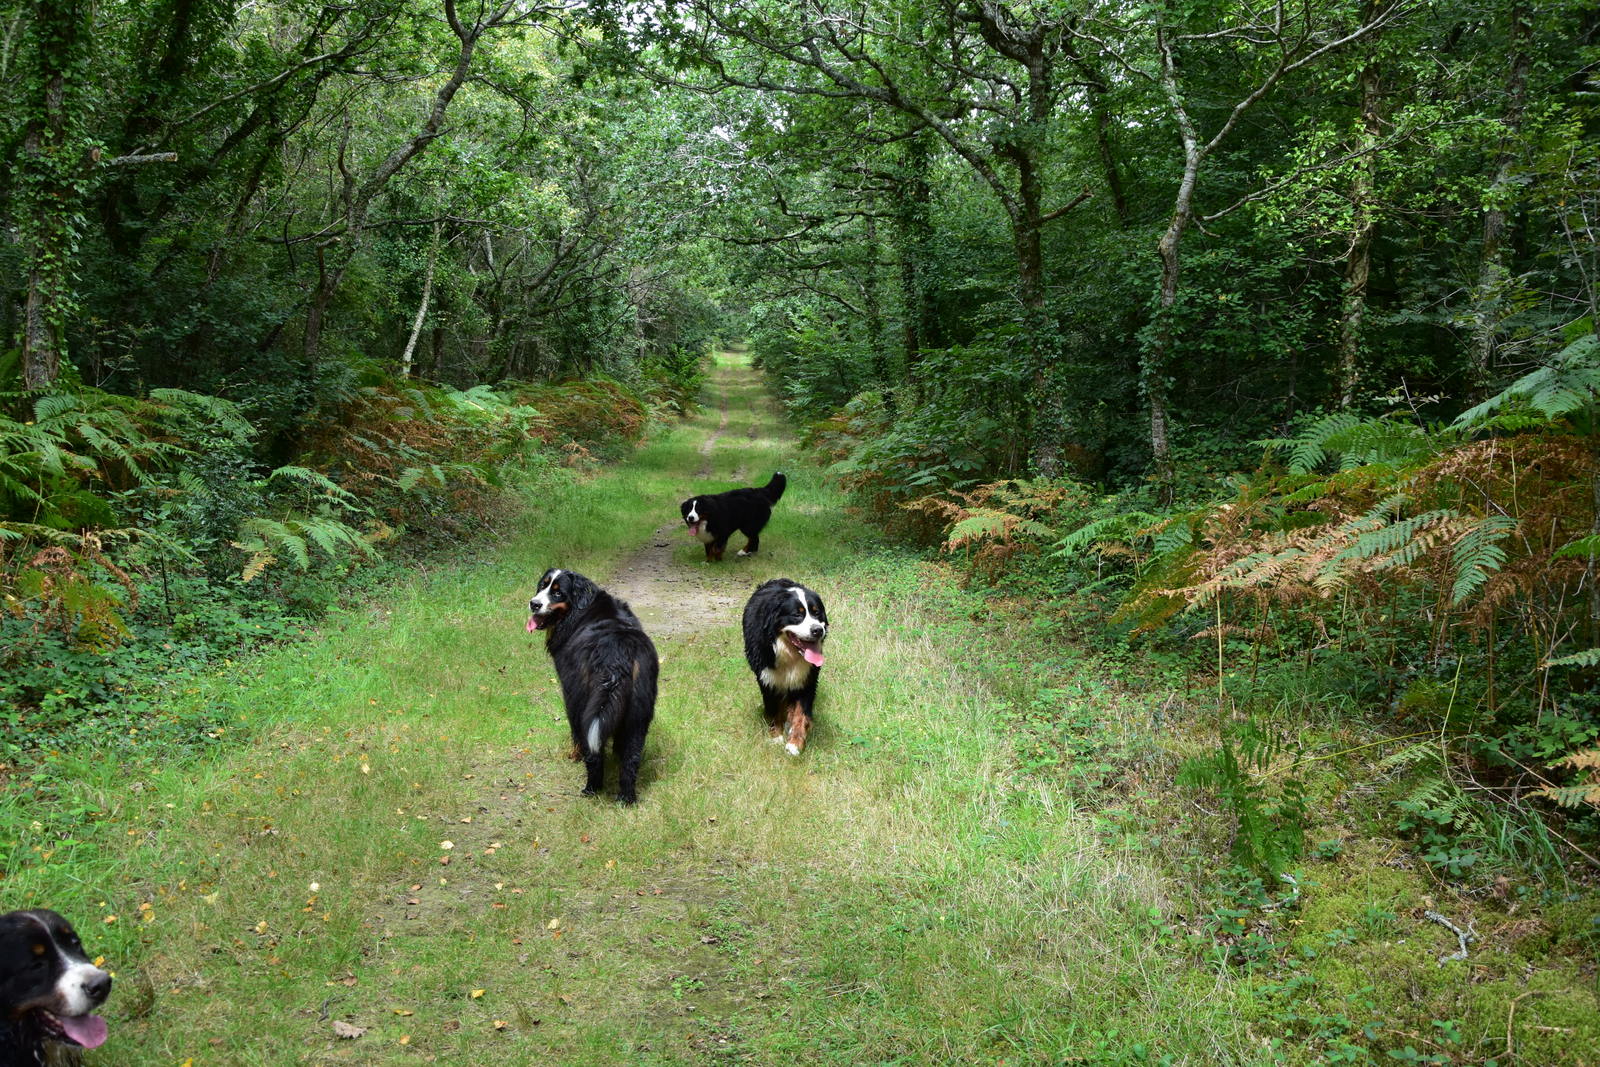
575 754
795 733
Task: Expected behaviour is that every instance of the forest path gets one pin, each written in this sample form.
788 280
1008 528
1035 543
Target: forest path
676 595
398 866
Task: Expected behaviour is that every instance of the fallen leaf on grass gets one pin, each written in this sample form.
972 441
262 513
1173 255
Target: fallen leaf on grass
346 1030
476 993
403 1011
500 1024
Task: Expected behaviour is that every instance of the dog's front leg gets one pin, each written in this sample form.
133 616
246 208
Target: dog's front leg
796 728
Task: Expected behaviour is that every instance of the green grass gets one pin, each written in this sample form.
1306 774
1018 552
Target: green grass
898 894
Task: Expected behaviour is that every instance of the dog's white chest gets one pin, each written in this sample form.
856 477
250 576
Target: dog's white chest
788 672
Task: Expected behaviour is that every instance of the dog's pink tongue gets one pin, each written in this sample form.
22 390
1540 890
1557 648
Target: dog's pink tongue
694 529
87 1030
813 654
533 624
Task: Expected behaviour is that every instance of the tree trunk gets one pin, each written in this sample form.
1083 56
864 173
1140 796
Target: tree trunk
46 200
422 307
1170 251
1492 279
1364 229
1040 424
919 321
1154 369
872 303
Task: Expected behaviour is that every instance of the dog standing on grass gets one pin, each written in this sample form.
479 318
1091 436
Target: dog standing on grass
607 667
714 518
784 627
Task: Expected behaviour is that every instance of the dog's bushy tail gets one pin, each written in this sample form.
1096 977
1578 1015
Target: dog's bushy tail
774 489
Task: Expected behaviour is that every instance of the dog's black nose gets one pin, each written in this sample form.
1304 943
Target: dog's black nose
816 633
98 988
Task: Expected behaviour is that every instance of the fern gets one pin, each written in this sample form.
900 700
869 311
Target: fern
1586 792
1478 554
1589 657
1269 830
317 481
268 540
1568 386
1091 536
1355 442
1583 546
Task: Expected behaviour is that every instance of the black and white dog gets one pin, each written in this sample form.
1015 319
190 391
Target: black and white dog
714 518
607 668
784 627
48 989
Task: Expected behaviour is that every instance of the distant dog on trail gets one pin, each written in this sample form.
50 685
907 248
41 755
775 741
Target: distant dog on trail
607 668
48 990
784 627
714 518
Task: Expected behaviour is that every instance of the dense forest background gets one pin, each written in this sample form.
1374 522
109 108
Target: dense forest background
1265 335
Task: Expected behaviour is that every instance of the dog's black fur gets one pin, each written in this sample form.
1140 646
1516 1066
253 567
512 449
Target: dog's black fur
607 668
48 989
714 518
784 627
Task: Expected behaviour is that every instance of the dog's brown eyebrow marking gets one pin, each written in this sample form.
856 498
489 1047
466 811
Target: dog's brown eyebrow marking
38 948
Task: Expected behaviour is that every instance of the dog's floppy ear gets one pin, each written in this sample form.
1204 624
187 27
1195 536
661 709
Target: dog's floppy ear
580 590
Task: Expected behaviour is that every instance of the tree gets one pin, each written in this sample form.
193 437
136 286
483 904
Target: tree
1270 46
985 78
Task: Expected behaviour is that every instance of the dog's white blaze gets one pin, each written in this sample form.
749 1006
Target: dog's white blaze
594 738
806 626
792 749
694 516
542 597
73 988
789 668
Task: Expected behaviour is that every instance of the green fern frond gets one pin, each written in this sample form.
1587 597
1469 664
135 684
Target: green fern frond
1583 546
1589 657
314 480
1478 554
1568 385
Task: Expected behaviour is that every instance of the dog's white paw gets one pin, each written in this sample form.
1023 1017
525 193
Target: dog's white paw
742 552
792 748
775 739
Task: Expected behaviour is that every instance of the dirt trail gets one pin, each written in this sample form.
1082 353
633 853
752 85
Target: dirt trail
678 597
529 792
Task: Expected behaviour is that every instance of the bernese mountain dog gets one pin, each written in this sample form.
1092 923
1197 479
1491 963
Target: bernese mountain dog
714 518
784 627
607 667
48 989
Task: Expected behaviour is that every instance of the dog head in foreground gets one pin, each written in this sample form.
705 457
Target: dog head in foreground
48 988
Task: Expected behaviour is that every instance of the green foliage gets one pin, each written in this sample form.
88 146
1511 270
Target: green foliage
135 528
1567 388
1270 816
